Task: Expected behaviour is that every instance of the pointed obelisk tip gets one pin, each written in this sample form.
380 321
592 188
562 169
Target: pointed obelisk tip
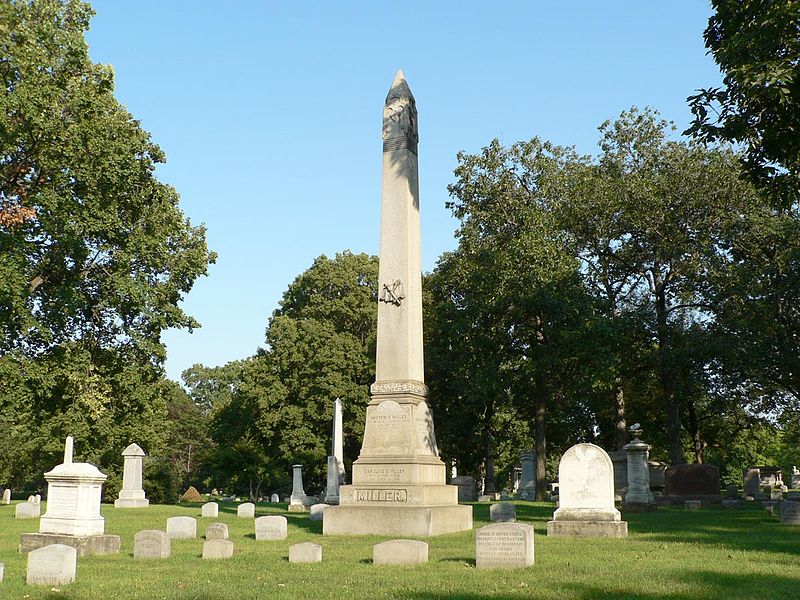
399 87
68 450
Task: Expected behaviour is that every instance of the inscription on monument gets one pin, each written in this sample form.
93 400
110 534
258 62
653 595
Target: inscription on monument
388 426
390 496
62 499
504 545
384 474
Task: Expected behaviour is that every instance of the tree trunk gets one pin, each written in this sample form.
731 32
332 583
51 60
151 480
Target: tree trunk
697 440
619 416
488 480
540 429
668 382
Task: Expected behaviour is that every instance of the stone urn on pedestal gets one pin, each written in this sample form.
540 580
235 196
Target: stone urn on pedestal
639 497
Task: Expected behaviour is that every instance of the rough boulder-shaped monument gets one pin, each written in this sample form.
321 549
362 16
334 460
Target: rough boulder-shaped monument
398 480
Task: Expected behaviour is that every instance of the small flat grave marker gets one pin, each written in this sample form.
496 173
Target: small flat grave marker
151 543
400 552
271 528
306 552
217 531
214 549
504 545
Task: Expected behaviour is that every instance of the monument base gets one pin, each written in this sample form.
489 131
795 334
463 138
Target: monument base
131 503
85 544
613 529
639 507
421 521
298 508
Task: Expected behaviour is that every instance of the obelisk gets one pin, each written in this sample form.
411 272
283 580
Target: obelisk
398 480
336 471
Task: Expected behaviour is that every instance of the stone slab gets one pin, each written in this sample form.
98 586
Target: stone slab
505 512
246 510
691 480
209 510
151 543
131 503
182 528
790 512
27 510
217 548
417 521
731 503
301 508
55 564
317 510
486 498
305 552
638 507
612 529
217 531
86 545
467 490
271 528
504 545
692 504
400 552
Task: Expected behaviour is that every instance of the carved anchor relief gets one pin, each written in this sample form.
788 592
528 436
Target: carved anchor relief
392 293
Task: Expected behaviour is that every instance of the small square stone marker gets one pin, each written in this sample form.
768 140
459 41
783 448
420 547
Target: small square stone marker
504 545
55 564
400 552
213 549
505 512
306 552
210 509
271 528
692 504
182 528
217 531
246 510
151 543
790 512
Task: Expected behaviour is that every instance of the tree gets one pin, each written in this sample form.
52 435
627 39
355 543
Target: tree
756 44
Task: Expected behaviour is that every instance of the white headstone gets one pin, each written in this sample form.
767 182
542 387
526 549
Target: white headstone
504 545
217 548
2 571
27 510
246 510
336 473
7 496
37 499
271 528
298 497
217 531
132 495
55 564
317 510
151 543
400 552
210 509
74 491
180 528
274 498
505 512
306 552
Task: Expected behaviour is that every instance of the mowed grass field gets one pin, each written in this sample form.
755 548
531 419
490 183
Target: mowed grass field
671 554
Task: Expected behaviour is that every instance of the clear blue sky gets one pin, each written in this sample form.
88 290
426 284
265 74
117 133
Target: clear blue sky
270 116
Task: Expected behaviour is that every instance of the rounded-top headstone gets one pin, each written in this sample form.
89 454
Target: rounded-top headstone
273 527
217 531
133 450
210 509
246 510
317 511
182 527
274 498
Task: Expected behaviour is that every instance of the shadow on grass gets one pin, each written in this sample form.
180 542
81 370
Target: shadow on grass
302 521
470 562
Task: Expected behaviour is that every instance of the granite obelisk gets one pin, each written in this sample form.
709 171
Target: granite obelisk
398 480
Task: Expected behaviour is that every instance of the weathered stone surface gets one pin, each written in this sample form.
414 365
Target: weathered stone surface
131 495
638 453
317 511
151 543
612 529
246 510
210 509
467 490
336 473
752 481
86 545
692 504
217 548
692 480
217 531
55 564
181 528
298 497
271 528
527 481
400 552
2 571
274 498
776 494
7 496
505 512
486 498
394 520
790 512
619 461
305 552
504 545
27 510
732 492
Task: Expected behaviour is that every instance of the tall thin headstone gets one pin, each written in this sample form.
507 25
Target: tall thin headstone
398 480
638 497
336 473
132 495
298 502
527 483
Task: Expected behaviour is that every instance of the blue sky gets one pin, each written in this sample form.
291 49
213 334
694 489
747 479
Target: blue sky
270 116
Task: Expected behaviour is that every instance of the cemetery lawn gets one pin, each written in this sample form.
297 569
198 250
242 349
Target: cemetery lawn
670 554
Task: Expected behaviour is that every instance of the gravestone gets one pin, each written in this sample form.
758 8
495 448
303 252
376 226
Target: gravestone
771 476
55 564
732 492
467 492
217 531
504 545
692 482
73 518
336 473
586 496
298 501
692 504
639 497
246 510
274 498
27 510
210 509
2 571
182 528
776 494
752 481
151 543
657 470
7 496
505 512
271 528
398 481
486 498
790 512
306 552
317 511
131 495
400 552
527 481
37 499
217 548
795 480
619 459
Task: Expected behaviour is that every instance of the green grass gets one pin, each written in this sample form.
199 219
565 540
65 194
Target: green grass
672 554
